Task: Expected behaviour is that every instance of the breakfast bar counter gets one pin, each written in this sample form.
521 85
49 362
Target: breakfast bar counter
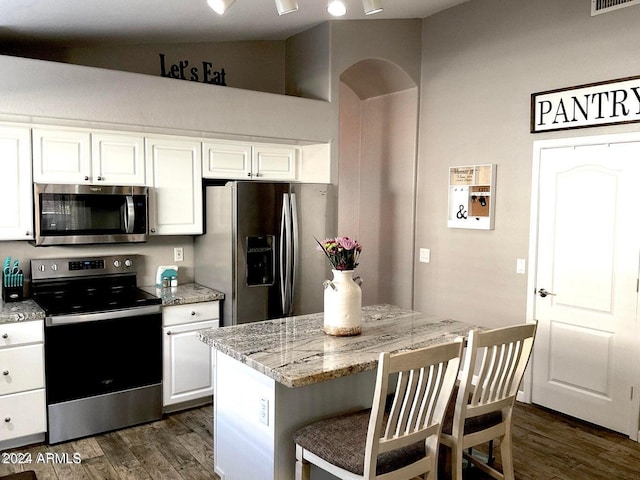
273 377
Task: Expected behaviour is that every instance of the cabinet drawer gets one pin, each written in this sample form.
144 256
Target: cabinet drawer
193 312
21 333
21 368
22 414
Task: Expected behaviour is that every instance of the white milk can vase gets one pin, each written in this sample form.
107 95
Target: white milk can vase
343 304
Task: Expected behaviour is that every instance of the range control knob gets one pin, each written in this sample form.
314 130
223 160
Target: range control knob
54 267
116 263
42 267
128 262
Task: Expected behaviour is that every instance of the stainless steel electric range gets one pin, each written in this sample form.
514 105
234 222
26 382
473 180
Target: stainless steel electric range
103 345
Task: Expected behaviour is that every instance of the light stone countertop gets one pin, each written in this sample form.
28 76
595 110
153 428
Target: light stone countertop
26 310
21 311
295 351
184 294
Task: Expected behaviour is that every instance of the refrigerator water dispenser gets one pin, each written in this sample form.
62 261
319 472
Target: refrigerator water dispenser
260 261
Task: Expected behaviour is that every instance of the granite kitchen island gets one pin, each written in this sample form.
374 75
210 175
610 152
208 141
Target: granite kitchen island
273 377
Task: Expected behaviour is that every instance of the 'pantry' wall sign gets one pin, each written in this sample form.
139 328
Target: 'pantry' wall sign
183 70
603 103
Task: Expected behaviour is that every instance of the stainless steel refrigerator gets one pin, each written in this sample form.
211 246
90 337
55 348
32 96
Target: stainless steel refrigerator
259 248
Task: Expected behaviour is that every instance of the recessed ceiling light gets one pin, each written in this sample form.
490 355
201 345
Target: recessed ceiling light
337 8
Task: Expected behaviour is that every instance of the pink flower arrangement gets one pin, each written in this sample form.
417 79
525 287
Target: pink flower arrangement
342 252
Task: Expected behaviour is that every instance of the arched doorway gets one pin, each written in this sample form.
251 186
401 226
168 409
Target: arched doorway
376 176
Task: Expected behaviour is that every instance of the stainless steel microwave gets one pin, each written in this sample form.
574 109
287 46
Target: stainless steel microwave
84 214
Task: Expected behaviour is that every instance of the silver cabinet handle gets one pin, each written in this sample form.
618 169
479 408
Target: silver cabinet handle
169 332
5 335
193 312
5 373
543 293
7 419
86 178
100 178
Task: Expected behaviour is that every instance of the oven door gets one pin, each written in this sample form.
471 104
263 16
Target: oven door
97 354
83 214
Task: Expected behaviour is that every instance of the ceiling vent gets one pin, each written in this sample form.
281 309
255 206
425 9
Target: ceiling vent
604 6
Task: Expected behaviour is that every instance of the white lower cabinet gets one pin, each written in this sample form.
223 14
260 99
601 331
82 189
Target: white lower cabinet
187 362
22 393
21 415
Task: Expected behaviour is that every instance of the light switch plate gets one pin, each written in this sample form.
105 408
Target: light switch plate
521 266
425 255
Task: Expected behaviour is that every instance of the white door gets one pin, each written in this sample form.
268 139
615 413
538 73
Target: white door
587 259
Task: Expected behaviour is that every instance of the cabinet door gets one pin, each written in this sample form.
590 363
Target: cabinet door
22 414
175 168
274 162
188 363
118 159
16 214
226 160
61 156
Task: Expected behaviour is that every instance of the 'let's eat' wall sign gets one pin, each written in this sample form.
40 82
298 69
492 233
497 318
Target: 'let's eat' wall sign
184 70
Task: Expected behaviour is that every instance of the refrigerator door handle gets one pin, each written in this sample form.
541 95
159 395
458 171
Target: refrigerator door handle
282 240
285 254
296 250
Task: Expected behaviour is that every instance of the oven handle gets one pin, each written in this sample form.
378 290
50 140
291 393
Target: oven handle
93 317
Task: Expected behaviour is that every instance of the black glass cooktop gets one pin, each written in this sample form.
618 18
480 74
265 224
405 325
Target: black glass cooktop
90 295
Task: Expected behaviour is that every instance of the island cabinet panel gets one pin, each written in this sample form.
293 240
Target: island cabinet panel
188 363
16 223
174 166
22 392
256 417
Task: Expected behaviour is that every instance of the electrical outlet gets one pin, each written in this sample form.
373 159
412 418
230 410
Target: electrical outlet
178 254
263 411
425 255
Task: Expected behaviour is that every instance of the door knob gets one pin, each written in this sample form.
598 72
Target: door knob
543 293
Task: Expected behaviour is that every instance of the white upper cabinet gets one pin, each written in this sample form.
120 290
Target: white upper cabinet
16 219
275 162
174 169
237 160
118 159
226 160
81 156
61 156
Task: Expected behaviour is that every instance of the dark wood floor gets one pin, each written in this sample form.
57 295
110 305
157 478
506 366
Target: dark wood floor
180 447
547 446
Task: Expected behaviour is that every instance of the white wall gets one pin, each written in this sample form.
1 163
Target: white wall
481 62
376 194
256 65
36 89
